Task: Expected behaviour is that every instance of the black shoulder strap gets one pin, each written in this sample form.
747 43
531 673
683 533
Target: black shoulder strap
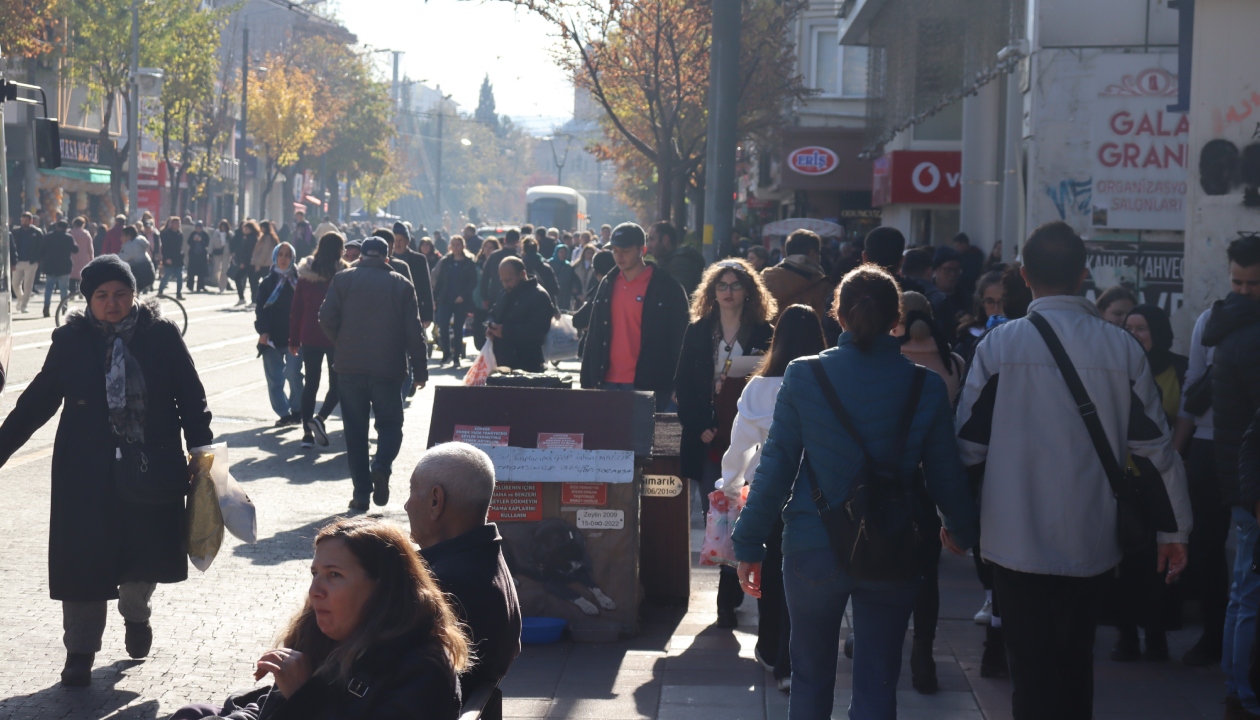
1083 403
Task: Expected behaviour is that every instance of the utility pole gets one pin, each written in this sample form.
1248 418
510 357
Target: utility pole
561 160
240 161
719 185
395 94
133 119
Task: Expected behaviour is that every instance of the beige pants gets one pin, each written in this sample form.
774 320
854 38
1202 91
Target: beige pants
24 282
84 620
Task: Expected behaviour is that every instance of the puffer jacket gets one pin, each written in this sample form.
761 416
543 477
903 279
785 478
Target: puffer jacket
799 280
752 425
1233 329
873 386
307 297
370 315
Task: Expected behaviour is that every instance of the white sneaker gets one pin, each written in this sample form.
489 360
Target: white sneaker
785 684
985 615
307 444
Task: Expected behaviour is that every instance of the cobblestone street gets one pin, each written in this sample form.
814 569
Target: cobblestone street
209 631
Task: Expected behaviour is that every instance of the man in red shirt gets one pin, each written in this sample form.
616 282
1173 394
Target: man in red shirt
638 319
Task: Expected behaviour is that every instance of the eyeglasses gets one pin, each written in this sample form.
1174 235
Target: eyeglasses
732 286
991 302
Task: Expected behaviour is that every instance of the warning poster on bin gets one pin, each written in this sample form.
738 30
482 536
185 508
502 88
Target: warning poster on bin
560 441
516 502
591 494
482 435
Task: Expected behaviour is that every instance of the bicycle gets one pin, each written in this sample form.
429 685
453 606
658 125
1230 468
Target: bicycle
171 309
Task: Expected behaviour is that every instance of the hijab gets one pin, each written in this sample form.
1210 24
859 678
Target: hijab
1160 355
283 277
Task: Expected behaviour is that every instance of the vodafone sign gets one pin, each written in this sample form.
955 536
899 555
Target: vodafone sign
813 160
920 178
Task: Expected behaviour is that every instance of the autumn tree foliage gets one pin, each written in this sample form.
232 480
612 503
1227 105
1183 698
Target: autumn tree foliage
282 117
24 26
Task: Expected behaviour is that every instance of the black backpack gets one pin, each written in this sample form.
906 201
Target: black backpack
874 533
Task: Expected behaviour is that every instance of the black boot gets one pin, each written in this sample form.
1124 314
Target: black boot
923 667
139 639
78 670
1156 646
46 311
993 661
1128 648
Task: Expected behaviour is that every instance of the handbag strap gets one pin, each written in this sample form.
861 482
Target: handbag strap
846 421
1089 413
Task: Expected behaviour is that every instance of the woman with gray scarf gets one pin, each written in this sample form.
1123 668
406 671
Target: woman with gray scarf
127 386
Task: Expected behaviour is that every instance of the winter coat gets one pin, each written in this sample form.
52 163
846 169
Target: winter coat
80 259
525 314
96 539
694 381
1233 329
304 313
170 247
464 281
873 386
565 279
583 278
421 277
799 280
58 249
261 256
538 269
113 241
273 321
244 252
491 286
404 678
684 264
370 315
748 433
199 253
28 244
664 324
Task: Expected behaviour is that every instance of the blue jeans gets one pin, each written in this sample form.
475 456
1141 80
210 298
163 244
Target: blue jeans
817 591
363 396
56 281
280 368
1240 616
172 272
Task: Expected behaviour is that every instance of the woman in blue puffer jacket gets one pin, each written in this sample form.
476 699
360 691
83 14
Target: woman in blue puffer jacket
873 380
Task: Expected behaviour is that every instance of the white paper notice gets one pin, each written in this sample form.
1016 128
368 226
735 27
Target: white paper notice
515 464
592 519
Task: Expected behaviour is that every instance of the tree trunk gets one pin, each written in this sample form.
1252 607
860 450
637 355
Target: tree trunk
334 196
681 185
697 200
115 161
665 186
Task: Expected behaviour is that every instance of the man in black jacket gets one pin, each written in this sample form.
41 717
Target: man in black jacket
520 319
637 321
1233 329
56 262
450 498
491 287
417 271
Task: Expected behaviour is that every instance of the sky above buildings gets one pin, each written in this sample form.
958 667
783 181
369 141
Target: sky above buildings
455 43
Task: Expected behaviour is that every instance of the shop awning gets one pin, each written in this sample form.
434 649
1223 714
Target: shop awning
85 174
790 225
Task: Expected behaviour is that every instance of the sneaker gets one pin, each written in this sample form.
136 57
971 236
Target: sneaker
1156 647
985 615
727 619
380 487
358 506
762 661
287 420
239 302
315 426
785 684
307 442
78 670
139 639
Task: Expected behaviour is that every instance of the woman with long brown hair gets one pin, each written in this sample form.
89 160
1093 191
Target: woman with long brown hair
375 638
260 259
729 334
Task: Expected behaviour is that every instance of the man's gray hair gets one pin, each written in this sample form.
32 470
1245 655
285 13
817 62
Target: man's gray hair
464 472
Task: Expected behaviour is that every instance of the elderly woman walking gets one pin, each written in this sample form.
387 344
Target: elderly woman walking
126 387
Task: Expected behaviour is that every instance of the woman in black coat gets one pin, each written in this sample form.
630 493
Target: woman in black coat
727 339
454 282
271 319
120 472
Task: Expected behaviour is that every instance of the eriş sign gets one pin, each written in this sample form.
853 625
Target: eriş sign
813 160
920 178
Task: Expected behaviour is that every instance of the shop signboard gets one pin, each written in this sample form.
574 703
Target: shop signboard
915 177
1139 151
1153 270
813 160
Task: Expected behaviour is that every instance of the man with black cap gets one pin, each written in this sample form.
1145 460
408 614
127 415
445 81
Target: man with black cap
418 266
370 315
638 318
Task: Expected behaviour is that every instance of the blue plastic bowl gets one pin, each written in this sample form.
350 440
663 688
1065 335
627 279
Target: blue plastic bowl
541 630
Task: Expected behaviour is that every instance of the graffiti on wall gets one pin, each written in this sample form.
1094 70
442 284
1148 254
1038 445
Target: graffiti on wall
1223 168
1074 196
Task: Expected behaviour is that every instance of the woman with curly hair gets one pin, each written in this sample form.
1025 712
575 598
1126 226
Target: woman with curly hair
727 339
375 638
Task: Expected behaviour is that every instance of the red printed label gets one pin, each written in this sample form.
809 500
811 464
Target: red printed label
595 494
516 502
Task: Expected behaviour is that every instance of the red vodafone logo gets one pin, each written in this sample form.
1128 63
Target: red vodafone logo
813 160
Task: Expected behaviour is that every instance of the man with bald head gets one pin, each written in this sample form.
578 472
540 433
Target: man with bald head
450 499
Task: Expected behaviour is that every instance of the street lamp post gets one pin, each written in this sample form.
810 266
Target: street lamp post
240 161
133 118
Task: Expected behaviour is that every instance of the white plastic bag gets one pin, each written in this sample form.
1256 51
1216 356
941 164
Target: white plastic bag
562 340
239 515
718 548
482 366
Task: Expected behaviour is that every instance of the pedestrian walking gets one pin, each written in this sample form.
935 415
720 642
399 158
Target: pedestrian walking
308 341
302 238
454 283
798 333
856 421
28 250
135 252
170 251
539 270
242 258
79 260
57 261
683 262
370 315
260 260
271 321
565 277
800 278
520 320
198 258
126 387
113 241
419 268
1048 510
491 287
583 280
428 250
220 255
727 339
636 323
986 308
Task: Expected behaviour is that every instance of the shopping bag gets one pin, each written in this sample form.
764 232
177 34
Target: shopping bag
718 549
205 518
239 515
482 366
562 340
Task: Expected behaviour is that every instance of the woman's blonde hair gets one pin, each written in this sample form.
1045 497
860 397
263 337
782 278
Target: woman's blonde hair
759 304
406 599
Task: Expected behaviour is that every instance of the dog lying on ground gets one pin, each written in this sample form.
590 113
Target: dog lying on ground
556 557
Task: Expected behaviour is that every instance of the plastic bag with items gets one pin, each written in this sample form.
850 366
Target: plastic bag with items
215 503
482 366
718 548
562 340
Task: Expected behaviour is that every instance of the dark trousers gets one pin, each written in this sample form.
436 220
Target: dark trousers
311 358
730 594
1207 573
927 606
1050 623
480 316
774 627
450 321
1141 594
363 396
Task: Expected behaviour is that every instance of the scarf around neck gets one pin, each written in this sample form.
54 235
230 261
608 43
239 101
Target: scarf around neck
283 277
124 380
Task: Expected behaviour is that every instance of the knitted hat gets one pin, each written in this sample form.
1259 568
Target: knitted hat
400 229
103 269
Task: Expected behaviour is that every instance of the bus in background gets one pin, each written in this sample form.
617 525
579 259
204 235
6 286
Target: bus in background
555 206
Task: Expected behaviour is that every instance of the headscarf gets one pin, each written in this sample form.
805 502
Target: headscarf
1160 355
124 380
555 254
289 276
